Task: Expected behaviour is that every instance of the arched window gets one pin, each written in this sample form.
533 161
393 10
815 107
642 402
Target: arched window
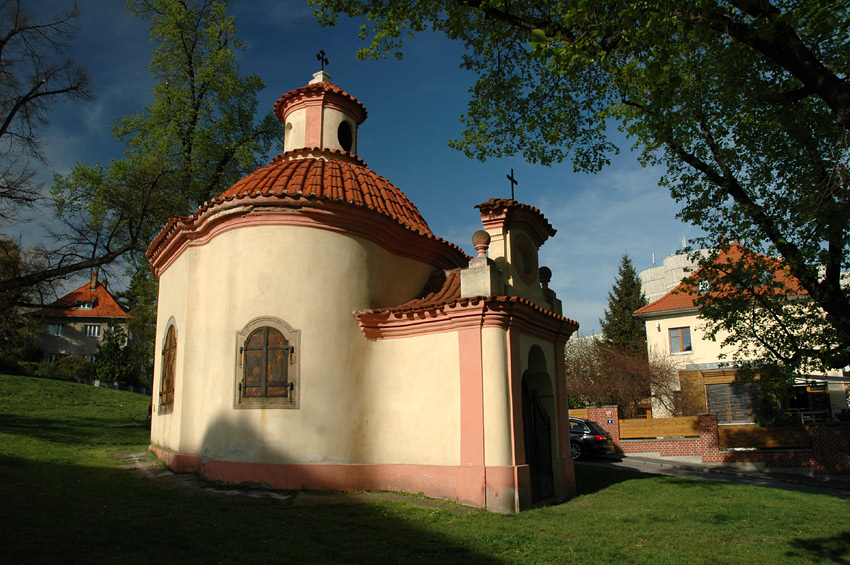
169 360
267 365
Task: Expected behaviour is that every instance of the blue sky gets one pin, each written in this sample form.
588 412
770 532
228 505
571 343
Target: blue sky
413 106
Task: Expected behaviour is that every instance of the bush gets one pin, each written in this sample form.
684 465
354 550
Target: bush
74 368
67 368
41 369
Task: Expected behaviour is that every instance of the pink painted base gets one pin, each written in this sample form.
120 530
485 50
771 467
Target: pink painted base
494 488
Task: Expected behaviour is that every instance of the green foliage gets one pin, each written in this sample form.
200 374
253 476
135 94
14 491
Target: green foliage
141 298
201 124
74 368
746 105
41 369
774 382
193 141
620 329
17 329
113 362
196 138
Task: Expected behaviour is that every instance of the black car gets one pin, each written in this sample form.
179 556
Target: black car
588 438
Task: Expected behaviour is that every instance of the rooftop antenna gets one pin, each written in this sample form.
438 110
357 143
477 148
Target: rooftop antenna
513 182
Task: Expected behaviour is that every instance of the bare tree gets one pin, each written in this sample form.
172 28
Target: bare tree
600 375
34 76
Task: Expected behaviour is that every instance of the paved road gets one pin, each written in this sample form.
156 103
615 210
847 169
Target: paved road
832 485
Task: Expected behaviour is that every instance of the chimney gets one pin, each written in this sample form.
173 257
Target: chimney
93 279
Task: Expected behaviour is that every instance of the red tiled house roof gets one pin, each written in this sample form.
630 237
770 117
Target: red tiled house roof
103 304
684 296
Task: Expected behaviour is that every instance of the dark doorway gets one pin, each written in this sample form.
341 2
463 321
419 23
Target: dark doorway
538 444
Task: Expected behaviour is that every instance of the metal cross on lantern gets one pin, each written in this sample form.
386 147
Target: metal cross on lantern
513 182
322 59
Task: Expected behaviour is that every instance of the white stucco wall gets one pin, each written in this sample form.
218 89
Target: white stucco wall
413 410
353 392
296 123
704 350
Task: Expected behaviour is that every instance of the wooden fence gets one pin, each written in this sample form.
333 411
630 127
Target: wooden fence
578 413
686 426
787 437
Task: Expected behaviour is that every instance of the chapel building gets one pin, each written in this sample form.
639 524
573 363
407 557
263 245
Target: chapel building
313 333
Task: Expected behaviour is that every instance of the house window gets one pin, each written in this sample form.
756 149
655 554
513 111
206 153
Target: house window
54 329
83 305
52 358
267 368
92 330
169 359
680 340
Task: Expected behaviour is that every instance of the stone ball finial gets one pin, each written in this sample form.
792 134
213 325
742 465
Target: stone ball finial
481 241
545 274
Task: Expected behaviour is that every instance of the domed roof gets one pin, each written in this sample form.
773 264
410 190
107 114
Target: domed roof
329 175
320 169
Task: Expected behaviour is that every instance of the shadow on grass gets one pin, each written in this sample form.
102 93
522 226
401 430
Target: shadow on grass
58 512
835 549
78 430
592 478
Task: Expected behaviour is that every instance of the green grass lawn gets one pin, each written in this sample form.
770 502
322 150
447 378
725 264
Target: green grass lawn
63 498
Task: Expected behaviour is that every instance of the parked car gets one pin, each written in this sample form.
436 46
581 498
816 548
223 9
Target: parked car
588 438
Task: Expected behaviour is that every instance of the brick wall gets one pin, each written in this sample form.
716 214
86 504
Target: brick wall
830 452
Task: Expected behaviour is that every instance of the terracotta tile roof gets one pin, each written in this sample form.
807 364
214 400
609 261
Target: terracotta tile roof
443 287
346 180
302 175
676 299
313 91
684 296
443 290
104 305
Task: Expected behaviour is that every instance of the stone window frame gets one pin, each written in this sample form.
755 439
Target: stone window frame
293 337
168 365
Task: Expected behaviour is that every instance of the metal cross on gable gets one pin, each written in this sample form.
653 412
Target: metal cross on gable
513 183
322 59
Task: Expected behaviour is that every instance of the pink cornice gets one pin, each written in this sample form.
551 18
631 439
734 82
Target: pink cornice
327 215
482 312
